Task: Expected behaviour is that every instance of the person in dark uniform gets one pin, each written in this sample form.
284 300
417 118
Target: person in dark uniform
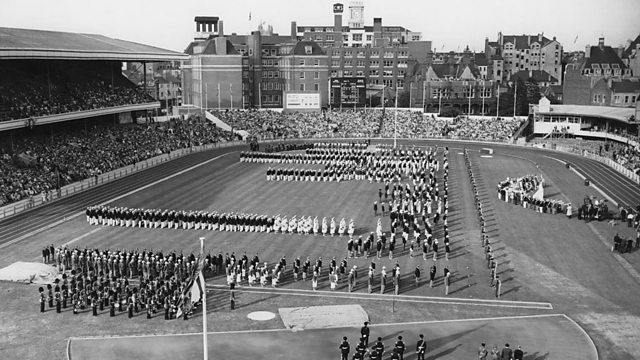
94 305
364 333
232 295
344 349
400 347
166 308
421 348
112 310
42 299
361 349
50 297
417 274
518 354
395 355
130 309
379 347
432 275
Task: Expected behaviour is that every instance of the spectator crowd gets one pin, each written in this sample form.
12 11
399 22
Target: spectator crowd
68 157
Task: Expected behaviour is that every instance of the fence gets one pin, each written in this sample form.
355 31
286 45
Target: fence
40 199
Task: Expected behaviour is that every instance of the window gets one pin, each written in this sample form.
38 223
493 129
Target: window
348 53
375 53
301 87
308 50
374 63
334 73
633 99
301 74
301 62
387 73
276 74
400 84
374 73
335 53
369 37
316 87
316 75
329 37
347 73
468 92
347 63
402 54
360 53
360 63
485 93
250 52
360 73
357 37
316 62
388 54
335 63
388 63
276 98
387 82
345 38
617 99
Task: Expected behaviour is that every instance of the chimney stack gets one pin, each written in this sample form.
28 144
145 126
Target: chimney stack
220 28
337 24
587 51
601 42
294 30
221 45
540 38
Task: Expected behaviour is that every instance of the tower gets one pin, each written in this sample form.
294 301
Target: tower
356 14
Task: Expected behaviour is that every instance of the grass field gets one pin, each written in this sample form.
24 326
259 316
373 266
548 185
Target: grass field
541 258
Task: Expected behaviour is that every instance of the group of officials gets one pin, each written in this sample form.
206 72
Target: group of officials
521 191
492 264
377 349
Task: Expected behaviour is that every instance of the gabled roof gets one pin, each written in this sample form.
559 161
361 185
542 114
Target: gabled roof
627 52
480 59
603 55
625 86
537 75
301 48
524 41
210 48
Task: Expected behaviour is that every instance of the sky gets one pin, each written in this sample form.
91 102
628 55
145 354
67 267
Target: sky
450 25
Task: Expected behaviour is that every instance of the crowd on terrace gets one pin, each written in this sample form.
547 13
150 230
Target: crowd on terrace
26 92
34 164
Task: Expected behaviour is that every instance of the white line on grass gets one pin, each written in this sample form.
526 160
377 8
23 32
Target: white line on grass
389 297
54 224
517 317
594 349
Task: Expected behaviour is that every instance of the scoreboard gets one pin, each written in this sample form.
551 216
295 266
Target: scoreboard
348 91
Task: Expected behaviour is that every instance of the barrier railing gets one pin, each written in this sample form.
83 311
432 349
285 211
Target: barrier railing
53 195
40 199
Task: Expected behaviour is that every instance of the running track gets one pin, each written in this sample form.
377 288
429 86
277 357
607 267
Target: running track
29 223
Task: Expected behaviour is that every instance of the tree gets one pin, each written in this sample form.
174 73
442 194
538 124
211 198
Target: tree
533 91
403 99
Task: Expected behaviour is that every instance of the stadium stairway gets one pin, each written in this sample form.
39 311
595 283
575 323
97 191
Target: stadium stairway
224 126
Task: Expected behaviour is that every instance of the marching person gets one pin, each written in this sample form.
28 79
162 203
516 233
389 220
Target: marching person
344 349
421 347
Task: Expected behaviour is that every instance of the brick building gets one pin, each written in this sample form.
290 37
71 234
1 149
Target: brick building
527 52
589 80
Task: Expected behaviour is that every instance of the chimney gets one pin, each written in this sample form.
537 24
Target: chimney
530 73
220 28
540 38
221 45
377 27
620 51
601 42
294 30
500 38
337 29
587 51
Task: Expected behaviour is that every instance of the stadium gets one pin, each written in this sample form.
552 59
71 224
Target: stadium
527 270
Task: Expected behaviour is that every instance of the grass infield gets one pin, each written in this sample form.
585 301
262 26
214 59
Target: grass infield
542 257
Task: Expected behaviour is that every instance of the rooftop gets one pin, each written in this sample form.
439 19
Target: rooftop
605 112
56 45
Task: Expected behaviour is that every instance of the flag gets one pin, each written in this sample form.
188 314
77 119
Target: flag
195 287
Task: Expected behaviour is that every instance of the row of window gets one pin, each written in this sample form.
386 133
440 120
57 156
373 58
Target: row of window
559 119
372 53
316 75
372 63
271 86
466 93
616 72
618 99
270 99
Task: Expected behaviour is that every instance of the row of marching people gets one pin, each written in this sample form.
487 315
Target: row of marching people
202 220
329 173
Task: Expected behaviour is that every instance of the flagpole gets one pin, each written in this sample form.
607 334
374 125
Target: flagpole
205 346
515 96
231 93
218 96
395 121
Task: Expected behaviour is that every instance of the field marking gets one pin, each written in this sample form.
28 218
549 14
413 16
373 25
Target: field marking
586 335
389 297
56 223
514 317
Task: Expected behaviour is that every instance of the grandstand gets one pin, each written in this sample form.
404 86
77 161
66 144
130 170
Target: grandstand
65 108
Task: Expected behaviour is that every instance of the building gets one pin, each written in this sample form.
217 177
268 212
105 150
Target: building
381 54
588 80
631 56
527 52
256 70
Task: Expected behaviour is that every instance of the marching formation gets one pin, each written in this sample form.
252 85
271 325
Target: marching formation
214 221
528 191
119 281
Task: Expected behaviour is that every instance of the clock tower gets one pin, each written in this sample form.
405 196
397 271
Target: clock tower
356 14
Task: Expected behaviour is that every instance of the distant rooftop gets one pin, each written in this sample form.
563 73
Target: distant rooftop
43 44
